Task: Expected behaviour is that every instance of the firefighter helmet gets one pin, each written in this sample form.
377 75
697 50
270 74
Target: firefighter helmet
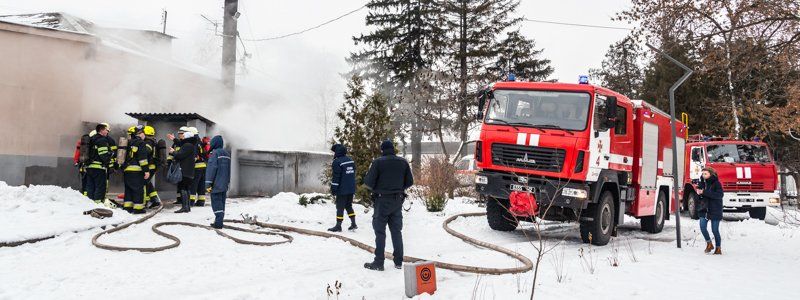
149 131
132 130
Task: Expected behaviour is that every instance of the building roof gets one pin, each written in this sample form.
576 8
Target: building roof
169 117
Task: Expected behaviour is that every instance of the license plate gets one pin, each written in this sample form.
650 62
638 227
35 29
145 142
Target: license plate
522 188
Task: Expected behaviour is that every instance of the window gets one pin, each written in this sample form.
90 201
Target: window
621 124
697 154
600 113
545 109
742 153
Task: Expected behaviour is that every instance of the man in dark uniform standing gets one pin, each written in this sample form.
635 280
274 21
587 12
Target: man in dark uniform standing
388 178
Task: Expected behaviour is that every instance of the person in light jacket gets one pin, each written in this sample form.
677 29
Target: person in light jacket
218 178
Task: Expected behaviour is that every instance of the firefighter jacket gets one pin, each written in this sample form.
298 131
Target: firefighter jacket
152 160
100 152
389 174
203 150
136 159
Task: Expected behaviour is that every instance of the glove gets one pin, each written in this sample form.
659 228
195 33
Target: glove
208 190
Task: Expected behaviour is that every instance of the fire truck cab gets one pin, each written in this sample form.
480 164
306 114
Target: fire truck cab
573 152
746 171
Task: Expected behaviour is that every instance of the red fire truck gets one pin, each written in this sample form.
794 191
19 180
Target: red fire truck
746 171
574 152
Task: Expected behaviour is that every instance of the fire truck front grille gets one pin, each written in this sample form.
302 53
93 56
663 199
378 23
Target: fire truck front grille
743 186
528 157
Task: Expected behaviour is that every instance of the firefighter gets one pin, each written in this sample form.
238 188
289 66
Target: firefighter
388 178
151 198
136 170
343 186
176 146
97 165
198 191
217 179
76 158
185 157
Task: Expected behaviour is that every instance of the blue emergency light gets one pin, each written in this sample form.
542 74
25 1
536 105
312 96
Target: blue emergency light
511 77
583 79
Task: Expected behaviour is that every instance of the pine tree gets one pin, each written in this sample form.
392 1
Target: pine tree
518 54
404 44
620 69
365 123
474 28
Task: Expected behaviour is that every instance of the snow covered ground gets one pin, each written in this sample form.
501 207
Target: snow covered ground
760 260
43 211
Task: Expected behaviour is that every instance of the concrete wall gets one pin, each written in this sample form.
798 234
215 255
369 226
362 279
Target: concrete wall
266 173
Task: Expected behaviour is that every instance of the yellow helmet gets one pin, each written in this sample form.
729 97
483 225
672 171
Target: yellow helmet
132 130
149 131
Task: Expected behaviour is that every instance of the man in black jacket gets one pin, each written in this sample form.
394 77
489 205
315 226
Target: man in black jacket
185 157
388 178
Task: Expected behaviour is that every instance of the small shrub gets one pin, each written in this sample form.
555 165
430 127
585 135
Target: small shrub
305 200
438 177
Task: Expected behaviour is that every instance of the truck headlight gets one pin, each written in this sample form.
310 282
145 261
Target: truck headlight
574 193
774 201
480 179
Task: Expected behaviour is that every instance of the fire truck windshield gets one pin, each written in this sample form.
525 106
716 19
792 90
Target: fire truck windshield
547 109
738 153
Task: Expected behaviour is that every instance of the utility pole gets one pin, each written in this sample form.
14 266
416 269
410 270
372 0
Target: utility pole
229 34
164 20
675 185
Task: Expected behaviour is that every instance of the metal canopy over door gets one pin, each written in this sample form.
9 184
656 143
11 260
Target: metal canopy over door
648 174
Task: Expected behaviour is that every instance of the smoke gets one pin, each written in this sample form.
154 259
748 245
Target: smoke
288 90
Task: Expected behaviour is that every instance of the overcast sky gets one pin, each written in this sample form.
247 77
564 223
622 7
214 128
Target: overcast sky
573 50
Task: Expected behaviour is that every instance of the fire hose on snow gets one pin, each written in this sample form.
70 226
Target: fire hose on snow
527 264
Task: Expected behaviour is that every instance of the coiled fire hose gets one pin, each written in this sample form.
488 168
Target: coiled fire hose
527 264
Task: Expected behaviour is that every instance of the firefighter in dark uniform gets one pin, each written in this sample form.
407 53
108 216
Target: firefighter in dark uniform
136 170
151 198
97 165
388 178
343 186
198 192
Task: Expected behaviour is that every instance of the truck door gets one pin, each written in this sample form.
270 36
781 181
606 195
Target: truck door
622 139
698 162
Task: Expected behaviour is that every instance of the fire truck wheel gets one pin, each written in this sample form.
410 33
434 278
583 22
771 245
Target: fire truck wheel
758 213
598 231
691 203
655 223
499 217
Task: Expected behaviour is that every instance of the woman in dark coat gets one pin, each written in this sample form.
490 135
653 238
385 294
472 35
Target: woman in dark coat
710 191
185 157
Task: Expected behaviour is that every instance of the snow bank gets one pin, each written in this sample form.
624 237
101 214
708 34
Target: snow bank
43 211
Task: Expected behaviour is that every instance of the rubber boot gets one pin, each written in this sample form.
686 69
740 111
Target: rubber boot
709 247
138 211
154 202
200 203
718 251
215 226
373 266
185 208
337 228
353 225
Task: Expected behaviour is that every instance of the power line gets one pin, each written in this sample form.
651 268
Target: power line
577 25
307 29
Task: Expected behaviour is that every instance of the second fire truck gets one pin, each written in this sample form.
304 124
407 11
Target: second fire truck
574 152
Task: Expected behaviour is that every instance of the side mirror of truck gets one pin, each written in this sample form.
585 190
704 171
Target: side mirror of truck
482 95
611 111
